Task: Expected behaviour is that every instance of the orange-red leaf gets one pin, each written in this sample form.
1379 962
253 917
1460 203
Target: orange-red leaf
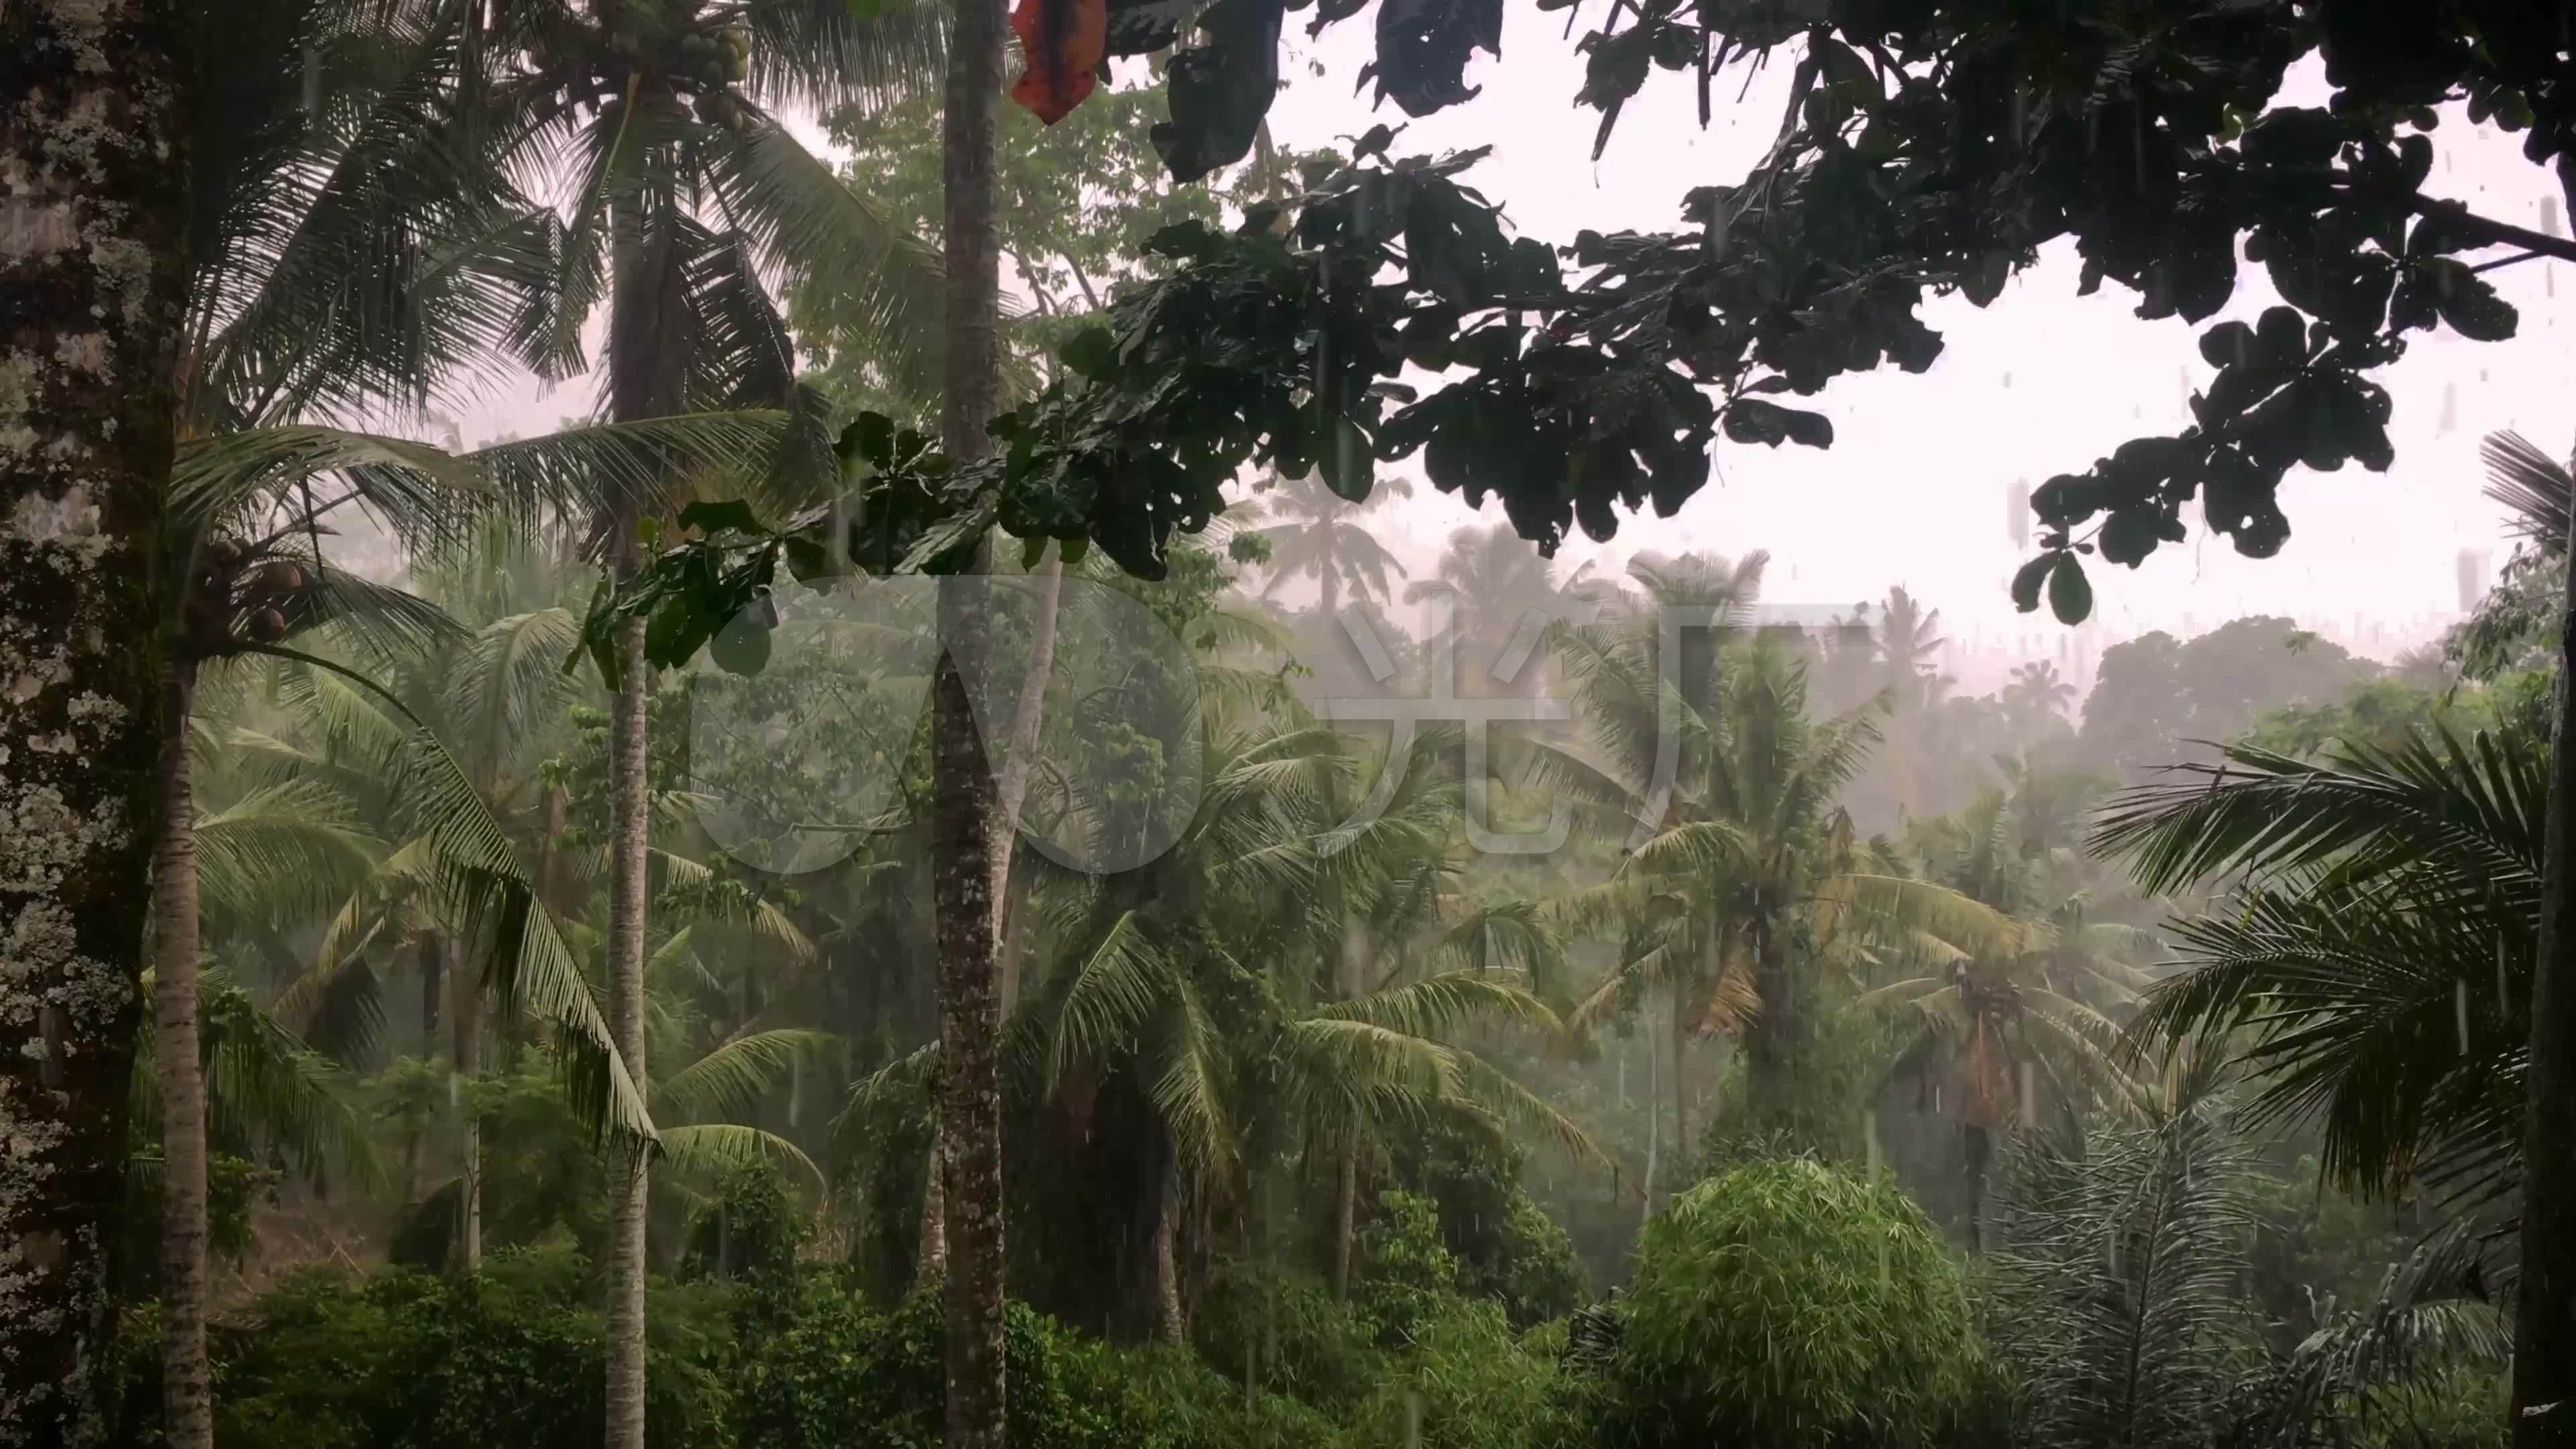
1064 41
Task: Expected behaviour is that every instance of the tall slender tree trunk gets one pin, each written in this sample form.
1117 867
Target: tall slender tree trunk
93 259
1773 1041
1171 1321
1351 971
187 1404
931 1264
1346 1214
1025 728
648 376
1654 1132
465 1019
1978 1145
630 809
961 777
550 884
1681 1073
2544 1400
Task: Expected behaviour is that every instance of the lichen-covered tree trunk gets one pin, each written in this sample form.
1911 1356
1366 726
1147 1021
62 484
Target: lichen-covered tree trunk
187 1403
2544 1402
961 776
92 279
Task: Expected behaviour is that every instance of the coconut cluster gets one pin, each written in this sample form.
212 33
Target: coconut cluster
244 595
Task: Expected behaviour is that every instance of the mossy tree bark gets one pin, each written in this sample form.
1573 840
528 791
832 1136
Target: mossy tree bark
92 280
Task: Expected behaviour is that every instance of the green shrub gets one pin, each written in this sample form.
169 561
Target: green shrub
844 1376
1506 1245
1281 1331
2455 1408
1790 1304
751 1228
1166 1397
398 1359
1409 1276
1465 1384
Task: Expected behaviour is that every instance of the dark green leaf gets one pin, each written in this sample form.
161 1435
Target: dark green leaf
2070 594
2028 578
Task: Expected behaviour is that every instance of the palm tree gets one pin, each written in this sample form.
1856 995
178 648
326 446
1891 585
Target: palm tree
1701 741
688 202
1319 535
1150 994
1495 579
2036 699
2378 952
2035 994
2118 1265
1909 641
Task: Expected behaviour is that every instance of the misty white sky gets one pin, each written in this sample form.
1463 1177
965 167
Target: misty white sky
1914 489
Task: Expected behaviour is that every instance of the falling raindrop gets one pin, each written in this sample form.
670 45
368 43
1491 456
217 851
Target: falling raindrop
2029 1094
1412 1419
2460 1011
2017 512
1869 1137
2450 419
2008 379
312 80
2549 215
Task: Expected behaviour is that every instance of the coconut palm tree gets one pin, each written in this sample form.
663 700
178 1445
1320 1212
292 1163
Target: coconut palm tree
2032 1004
2376 954
1150 995
1701 753
1909 641
2037 698
1319 535
687 203
1494 579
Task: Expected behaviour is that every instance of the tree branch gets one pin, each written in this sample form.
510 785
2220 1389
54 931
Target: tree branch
2487 231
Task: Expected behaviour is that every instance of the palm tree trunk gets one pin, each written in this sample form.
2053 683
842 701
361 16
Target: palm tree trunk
629 842
1979 1145
186 1395
465 1019
1170 1321
961 777
1346 1204
2545 1319
550 886
1025 727
1681 1074
1352 970
1775 1032
433 992
1654 1133
932 1263
648 369
96 229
